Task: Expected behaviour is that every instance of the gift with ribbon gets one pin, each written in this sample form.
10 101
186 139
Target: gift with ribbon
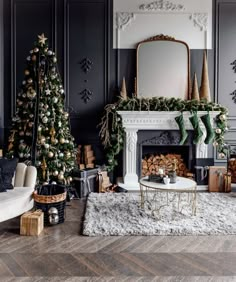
201 170
216 178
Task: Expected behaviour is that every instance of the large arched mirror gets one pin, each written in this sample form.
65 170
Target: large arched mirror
163 68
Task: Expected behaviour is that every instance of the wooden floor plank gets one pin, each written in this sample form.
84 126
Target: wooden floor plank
61 253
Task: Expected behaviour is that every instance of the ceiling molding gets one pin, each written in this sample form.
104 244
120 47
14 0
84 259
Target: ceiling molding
162 5
123 19
200 20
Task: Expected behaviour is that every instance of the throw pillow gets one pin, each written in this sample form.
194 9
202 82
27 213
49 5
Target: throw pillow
7 169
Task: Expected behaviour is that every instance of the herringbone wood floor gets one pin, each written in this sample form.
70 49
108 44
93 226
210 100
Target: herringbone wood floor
60 253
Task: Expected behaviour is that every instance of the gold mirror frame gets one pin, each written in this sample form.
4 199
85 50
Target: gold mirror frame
165 38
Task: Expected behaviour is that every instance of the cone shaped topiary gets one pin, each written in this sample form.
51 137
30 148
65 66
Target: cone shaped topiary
123 92
205 87
195 91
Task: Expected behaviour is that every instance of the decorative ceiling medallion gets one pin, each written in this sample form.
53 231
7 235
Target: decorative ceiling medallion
162 5
123 19
86 95
200 20
86 65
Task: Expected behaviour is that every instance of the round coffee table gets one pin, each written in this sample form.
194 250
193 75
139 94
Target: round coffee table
182 185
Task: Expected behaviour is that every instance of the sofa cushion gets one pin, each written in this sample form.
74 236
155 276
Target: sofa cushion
7 169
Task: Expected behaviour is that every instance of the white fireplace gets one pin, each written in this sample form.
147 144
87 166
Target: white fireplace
133 121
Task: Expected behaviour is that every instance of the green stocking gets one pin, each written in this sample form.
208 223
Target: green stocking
183 132
210 134
197 134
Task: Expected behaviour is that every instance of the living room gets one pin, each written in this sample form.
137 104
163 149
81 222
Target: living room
125 110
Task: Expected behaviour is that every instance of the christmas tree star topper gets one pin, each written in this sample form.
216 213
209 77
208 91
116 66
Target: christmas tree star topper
42 39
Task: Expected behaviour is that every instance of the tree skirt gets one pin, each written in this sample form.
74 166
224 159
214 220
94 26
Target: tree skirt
120 214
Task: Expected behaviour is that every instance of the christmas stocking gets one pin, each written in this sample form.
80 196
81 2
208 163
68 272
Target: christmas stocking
183 132
197 130
210 134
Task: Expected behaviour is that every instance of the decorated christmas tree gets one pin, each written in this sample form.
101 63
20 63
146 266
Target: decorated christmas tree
40 131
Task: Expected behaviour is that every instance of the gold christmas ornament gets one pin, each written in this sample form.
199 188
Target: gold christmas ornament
218 130
222 117
60 176
195 91
55 173
68 155
34 58
50 154
42 140
27 72
31 93
66 115
221 155
205 86
62 140
215 144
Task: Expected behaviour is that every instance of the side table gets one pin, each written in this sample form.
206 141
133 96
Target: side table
183 185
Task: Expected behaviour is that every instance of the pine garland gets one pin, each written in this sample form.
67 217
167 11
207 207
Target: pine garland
112 131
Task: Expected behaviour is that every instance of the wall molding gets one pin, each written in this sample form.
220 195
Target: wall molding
123 19
200 20
162 5
14 5
1 66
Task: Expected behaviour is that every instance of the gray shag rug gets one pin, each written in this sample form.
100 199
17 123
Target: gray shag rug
119 214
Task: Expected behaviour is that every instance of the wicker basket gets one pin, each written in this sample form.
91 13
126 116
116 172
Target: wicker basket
45 199
45 202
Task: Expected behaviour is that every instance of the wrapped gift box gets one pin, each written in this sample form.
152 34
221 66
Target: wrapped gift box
86 181
201 170
216 178
32 223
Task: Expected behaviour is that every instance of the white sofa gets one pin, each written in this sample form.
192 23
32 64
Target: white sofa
19 200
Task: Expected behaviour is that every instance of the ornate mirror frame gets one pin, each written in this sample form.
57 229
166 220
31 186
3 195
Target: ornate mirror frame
173 74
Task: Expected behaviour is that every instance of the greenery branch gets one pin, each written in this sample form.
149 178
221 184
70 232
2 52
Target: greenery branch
112 131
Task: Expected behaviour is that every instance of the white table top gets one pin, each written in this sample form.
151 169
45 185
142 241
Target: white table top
182 185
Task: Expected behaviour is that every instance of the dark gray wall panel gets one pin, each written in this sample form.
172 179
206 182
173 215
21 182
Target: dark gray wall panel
226 77
28 19
86 40
225 54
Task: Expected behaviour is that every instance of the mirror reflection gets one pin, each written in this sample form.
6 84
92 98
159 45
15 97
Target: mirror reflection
163 68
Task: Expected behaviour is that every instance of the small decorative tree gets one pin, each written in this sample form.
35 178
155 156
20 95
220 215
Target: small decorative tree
40 131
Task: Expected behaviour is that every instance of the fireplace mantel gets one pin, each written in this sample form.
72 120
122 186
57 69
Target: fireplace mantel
153 120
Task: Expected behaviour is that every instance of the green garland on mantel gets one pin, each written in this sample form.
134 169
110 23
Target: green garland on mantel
112 131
